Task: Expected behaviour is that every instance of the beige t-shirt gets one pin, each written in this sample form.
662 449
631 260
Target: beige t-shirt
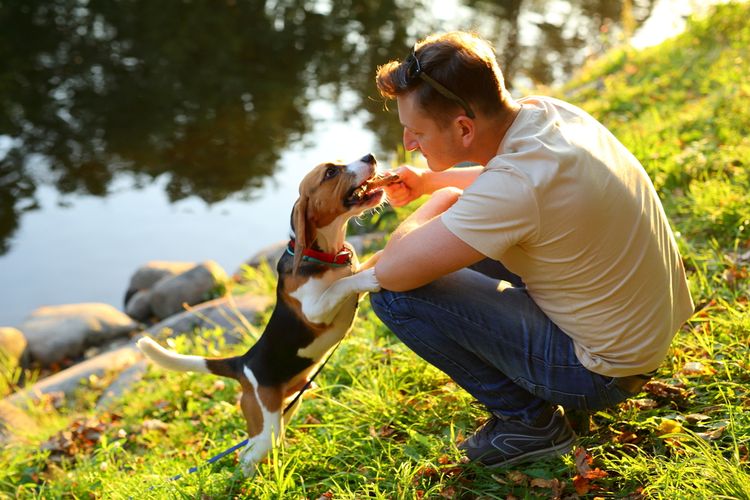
565 206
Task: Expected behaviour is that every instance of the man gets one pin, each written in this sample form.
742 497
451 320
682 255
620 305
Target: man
545 278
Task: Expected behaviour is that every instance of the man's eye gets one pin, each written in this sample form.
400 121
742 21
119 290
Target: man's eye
331 172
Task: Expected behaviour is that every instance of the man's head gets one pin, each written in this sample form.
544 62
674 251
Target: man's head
451 98
453 73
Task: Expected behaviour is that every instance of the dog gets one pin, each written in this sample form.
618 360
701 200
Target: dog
318 290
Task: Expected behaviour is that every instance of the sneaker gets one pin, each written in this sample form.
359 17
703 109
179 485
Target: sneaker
505 441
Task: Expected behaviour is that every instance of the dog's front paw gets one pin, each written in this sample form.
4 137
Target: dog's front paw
369 282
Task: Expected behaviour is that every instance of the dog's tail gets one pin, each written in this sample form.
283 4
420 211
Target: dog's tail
226 367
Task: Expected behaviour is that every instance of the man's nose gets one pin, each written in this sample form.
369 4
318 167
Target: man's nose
409 142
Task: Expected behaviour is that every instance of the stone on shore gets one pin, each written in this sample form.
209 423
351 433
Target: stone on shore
190 287
153 271
12 345
56 332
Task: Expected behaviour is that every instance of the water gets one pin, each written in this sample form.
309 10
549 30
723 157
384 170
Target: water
137 131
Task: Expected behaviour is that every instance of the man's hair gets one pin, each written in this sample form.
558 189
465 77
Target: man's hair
462 62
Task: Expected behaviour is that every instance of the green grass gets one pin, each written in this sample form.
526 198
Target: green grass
383 423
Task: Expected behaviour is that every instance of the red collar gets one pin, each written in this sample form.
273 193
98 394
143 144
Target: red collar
342 258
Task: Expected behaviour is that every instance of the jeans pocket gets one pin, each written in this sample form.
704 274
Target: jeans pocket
554 396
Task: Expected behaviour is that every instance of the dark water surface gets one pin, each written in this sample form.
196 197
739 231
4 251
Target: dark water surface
178 130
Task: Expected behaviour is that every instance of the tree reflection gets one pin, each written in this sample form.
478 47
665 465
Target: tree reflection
208 92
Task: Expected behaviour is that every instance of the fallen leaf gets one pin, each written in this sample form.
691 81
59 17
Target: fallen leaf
643 404
517 477
311 420
153 424
583 460
712 435
667 391
555 485
668 426
626 437
449 492
694 418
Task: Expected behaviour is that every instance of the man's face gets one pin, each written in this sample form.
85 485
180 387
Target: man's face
441 146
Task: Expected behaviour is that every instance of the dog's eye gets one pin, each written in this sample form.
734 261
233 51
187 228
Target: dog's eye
331 172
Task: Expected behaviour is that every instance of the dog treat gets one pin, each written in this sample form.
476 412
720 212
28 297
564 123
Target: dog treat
380 180
376 182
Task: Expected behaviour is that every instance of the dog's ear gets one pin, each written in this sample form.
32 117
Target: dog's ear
302 229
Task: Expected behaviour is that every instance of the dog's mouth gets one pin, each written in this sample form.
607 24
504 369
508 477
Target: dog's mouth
371 189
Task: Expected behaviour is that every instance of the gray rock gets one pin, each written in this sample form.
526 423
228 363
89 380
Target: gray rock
12 344
56 332
69 380
147 275
139 306
191 287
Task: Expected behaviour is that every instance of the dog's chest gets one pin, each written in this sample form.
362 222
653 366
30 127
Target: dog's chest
314 290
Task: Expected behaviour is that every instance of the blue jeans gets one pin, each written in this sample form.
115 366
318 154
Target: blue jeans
495 343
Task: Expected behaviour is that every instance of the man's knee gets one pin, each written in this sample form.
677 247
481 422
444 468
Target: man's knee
379 303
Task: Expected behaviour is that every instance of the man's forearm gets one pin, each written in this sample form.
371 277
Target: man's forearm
459 177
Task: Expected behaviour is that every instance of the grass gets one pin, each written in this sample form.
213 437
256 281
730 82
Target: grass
383 424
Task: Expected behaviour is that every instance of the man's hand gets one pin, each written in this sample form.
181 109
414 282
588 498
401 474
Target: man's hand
410 187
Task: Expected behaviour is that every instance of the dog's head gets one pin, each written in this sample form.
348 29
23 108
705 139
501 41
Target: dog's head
329 195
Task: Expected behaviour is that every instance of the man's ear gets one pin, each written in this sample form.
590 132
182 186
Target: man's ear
465 128
302 230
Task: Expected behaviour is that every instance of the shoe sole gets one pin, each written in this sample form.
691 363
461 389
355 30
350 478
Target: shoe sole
558 450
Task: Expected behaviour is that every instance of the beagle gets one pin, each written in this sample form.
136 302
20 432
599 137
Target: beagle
320 280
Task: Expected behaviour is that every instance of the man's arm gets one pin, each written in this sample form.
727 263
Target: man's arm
416 182
422 249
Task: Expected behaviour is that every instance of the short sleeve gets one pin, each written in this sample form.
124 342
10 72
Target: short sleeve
496 212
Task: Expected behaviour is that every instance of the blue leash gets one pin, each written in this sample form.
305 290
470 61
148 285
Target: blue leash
242 443
210 460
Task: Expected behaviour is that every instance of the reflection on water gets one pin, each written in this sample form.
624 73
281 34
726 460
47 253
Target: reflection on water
211 92
208 96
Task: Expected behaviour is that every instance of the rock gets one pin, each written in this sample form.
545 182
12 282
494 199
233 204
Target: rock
122 383
56 332
153 271
232 313
191 287
138 306
12 344
272 253
15 422
68 380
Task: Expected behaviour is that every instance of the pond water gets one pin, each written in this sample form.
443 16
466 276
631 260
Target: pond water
136 130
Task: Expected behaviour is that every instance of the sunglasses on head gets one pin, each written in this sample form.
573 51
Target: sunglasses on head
414 70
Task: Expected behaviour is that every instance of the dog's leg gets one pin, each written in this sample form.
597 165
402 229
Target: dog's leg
261 408
324 307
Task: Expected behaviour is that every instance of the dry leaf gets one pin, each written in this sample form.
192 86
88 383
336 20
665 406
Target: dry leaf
643 404
517 477
712 434
694 418
583 460
664 390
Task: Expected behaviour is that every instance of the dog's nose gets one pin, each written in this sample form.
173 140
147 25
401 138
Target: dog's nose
369 159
